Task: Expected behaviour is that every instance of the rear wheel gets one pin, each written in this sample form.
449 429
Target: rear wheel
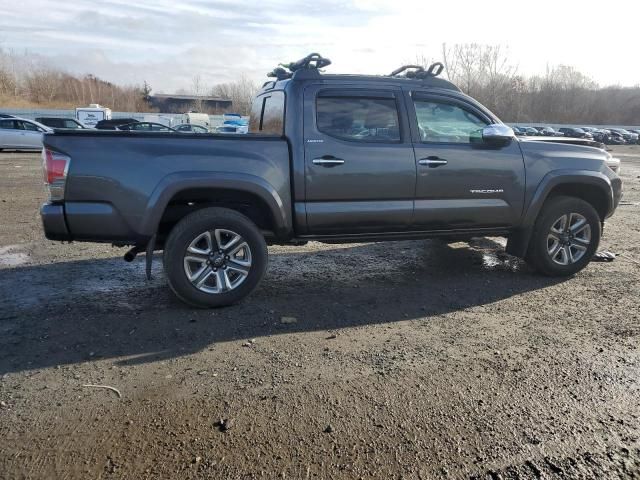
214 257
565 237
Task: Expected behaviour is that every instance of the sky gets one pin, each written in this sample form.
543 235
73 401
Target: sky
168 43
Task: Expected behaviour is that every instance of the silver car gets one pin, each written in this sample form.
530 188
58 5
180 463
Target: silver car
191 128
21 134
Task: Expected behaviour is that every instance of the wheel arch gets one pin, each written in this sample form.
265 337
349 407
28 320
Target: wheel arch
590 186
206 189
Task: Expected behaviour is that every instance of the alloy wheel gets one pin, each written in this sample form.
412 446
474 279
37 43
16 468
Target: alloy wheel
568 239
217 261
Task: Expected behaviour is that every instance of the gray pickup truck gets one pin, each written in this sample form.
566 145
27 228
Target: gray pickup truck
331 158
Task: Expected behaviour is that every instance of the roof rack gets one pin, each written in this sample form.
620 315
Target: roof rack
418 71
313 61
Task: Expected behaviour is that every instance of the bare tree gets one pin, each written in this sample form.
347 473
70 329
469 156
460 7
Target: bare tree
197 89
561 94
240 92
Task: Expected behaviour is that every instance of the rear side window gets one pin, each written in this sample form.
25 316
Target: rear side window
9 124
358 119
447 123
267 114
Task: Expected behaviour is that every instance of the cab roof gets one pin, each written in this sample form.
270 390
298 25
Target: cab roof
308 69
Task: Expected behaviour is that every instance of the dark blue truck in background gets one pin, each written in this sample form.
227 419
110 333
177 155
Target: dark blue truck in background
332 158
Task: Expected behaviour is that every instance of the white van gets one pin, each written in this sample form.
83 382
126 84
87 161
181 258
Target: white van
156 118
91 115
195 118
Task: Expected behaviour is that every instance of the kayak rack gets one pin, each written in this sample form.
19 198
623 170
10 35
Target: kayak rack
313 61
418 71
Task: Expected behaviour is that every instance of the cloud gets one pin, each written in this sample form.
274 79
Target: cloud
169 42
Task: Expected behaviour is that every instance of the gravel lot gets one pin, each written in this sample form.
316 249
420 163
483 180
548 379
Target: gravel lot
400 360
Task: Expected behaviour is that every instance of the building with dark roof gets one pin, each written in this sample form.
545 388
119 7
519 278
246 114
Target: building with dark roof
167 103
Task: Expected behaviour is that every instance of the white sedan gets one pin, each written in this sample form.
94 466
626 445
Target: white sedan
21 134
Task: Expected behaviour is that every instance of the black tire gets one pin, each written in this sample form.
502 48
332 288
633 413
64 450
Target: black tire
540 258
190 228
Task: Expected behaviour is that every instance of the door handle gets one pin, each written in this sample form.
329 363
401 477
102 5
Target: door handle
328 161
432 161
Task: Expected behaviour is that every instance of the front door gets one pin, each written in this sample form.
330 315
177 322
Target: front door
31 136
360 169
462 183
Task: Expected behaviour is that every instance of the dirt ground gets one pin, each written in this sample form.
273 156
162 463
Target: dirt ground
392 360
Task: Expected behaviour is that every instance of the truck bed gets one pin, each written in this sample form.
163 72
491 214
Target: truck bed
119 183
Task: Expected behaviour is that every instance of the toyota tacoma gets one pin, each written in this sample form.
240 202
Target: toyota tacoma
330 158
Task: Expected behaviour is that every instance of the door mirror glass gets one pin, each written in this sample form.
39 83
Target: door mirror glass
497 134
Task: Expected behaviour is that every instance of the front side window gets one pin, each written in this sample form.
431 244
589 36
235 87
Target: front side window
30 126
448 123
358 118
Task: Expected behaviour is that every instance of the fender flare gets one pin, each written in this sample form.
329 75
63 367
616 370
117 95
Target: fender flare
174 183
518 242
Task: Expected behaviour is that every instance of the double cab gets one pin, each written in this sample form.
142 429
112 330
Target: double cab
330 158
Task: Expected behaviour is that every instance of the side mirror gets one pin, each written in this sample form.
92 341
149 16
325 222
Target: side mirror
497 134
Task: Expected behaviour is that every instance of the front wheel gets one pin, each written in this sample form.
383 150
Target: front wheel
565 237
214 257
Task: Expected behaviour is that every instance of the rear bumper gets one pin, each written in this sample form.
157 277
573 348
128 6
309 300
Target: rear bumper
53 222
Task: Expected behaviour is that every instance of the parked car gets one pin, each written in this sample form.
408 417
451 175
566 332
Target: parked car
233 123
190 128
601 135
112 124
574 132
616 138
348 162
628 136
6 115
21 134
518 132
145 127
550 132
635 132
530 131
58 122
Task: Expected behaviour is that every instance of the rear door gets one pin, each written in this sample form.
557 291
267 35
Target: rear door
462 182
11 134
360 168
7 133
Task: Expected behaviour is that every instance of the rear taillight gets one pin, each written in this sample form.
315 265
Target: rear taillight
56 166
